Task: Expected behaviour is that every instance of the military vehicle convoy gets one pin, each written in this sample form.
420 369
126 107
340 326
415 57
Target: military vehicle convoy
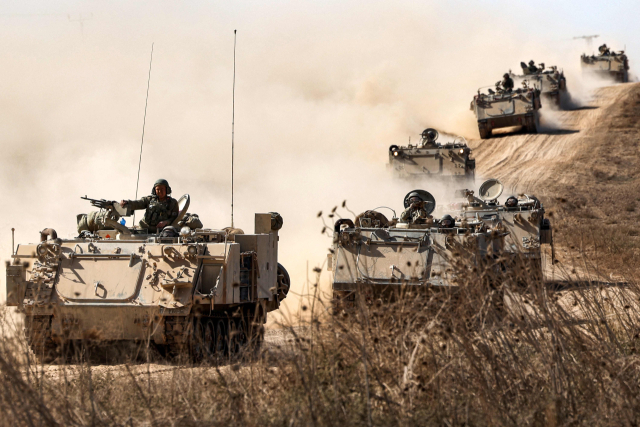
430 159
551 81
505 108
375 255
201 292
608 64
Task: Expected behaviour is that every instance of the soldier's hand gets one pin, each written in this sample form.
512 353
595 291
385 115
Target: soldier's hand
122 203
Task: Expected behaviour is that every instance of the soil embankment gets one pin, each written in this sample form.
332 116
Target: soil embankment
586 169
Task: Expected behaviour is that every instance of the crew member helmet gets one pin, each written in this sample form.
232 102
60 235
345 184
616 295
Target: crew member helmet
511 202
447 221
161 182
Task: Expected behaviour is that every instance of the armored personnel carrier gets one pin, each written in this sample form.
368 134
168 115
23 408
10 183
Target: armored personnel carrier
504 108
608 64
520 219
551 81
375 255
201 292
430 159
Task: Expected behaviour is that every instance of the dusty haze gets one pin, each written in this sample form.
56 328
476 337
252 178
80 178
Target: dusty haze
321 94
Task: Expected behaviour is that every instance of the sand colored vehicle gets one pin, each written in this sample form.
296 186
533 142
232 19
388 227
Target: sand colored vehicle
520 219
202 292
502 108
375 255
432 160
607 63
551 81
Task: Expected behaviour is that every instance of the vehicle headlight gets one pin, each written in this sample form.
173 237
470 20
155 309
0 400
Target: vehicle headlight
461 151
396 153
185 231
192 250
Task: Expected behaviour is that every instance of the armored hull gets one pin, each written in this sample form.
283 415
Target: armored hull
524 226
485 237
431 160
203 293
506 109
614 65
383 257
552 83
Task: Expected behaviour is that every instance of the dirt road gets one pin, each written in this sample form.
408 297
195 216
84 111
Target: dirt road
548 159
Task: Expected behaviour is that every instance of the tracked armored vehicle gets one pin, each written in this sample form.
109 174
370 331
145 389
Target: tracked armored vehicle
373 255
521 220
432 160
551 81
502 108
197 292
607 64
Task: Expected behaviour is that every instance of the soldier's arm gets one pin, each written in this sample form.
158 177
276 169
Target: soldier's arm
138 204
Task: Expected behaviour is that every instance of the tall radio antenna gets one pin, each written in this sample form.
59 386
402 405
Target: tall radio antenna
233 119
144 122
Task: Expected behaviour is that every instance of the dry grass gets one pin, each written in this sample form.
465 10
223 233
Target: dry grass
492 353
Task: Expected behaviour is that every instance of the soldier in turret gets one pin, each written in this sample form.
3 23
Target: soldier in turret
507 83
511 202
604 50
416 212
161 209
532 66
446 221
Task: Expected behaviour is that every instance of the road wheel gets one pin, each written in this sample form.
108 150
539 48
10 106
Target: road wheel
255 330
220 344
38 334
198 350
209 338
284 282
233 341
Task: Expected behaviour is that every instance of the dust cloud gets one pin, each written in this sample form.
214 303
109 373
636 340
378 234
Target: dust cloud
320 96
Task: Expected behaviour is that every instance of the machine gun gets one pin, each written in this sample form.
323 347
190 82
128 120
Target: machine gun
110 205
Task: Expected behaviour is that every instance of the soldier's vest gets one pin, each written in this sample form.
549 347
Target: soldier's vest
157 211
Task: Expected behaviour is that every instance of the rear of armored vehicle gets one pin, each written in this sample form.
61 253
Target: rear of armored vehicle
379 261
519 108
199 293
450 161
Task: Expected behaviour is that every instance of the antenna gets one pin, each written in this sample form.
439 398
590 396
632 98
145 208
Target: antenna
233 119
589 39
144 122
81 20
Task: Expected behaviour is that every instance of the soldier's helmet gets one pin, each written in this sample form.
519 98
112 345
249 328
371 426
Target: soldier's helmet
447 221
161 182
414 197
532 62
506 75
429 134
423 196
511 202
